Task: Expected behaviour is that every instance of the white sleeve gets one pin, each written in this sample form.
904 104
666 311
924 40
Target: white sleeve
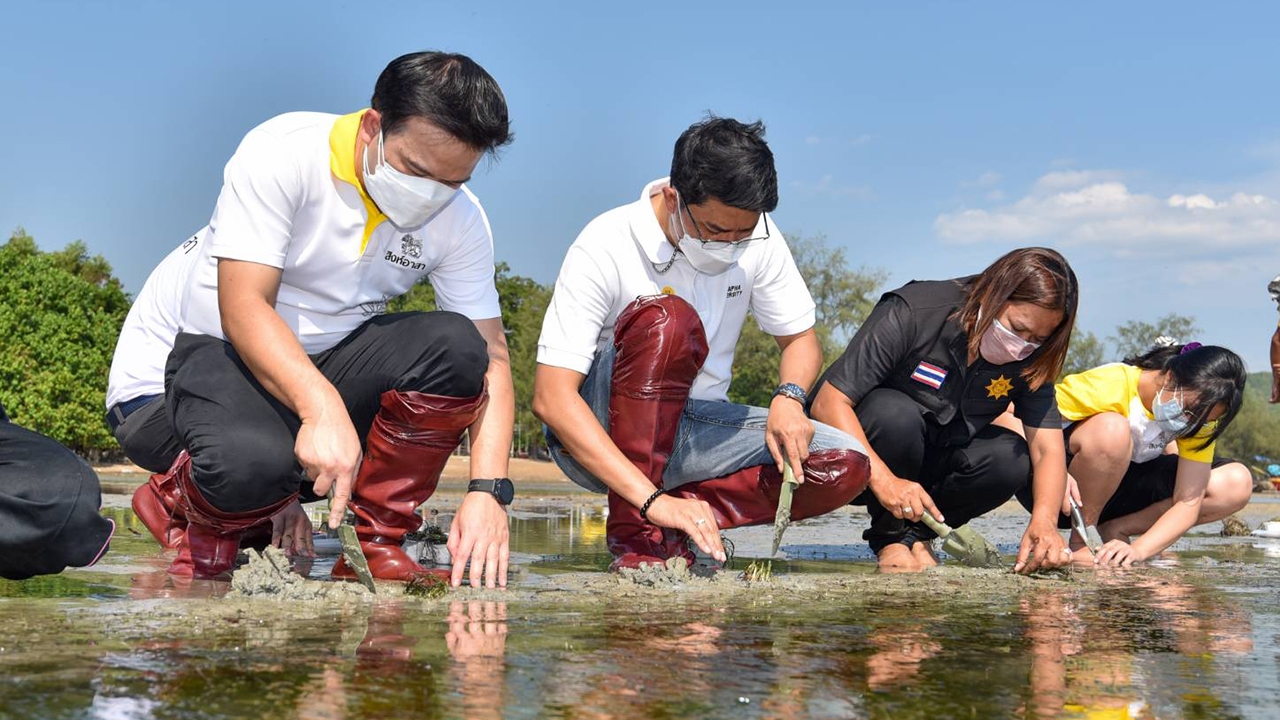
780 300
464 279
579 307
261 189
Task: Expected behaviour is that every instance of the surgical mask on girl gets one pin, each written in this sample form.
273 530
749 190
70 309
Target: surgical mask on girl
1000 345
408 201
1170 415
709 259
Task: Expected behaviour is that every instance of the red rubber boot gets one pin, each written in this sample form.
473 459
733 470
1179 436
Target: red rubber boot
213 536
832 479
156 504
659 348
407 448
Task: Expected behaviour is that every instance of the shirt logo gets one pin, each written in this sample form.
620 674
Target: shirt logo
930 375
411 251
999 388
411 246
734 291
373 307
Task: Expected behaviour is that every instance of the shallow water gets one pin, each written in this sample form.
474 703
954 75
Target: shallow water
1195 635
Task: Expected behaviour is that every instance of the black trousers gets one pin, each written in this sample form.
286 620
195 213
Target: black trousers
964 482
241 438
49 502
1143 485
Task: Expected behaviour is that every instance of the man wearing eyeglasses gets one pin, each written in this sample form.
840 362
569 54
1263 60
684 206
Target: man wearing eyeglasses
636 356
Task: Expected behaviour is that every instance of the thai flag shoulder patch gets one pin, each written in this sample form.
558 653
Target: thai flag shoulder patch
930 375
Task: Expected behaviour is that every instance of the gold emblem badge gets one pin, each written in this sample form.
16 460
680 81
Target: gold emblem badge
999 388
668 290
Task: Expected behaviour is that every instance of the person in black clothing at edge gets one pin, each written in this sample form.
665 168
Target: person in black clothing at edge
49 503
920 383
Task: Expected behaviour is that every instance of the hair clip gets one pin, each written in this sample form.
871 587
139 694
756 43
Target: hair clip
1189 347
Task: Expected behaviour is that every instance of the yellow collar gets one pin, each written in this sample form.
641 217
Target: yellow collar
342 163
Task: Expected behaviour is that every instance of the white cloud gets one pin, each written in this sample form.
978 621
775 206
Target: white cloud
988 179
827 186
1094 207
837 141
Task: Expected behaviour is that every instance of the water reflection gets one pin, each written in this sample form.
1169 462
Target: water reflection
1198 640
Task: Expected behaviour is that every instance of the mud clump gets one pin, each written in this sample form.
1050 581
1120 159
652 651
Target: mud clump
269 575
674 572
1233 526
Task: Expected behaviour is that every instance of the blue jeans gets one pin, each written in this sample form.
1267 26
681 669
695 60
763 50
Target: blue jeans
713 439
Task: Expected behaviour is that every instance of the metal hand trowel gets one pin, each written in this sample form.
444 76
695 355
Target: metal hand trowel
783 518
1088 533
351 551
965 544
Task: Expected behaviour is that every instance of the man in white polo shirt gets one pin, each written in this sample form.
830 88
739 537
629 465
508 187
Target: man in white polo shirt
636 356
257 366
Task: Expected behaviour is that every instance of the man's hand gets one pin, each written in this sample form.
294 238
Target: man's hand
788 432
329 451
1118 553
693 517
1042 548
480 535
291 531
907 500
476 629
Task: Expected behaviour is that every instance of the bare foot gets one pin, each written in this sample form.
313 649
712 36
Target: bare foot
898 558
923 553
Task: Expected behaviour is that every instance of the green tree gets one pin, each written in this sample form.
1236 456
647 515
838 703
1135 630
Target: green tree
1136 337
60 315
1256 430
843 297
1086 352
523 302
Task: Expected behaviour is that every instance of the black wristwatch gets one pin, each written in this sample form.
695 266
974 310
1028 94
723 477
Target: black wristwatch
793 391
502 489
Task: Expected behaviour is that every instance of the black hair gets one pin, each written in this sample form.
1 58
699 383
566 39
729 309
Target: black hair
449 90
727 160
1215 373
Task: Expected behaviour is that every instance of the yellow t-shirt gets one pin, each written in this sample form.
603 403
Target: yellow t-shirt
1112 388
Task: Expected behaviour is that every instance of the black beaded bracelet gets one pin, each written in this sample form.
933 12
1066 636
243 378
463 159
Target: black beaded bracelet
644 509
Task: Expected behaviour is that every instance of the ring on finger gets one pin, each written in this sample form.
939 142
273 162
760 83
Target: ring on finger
699 521
907 510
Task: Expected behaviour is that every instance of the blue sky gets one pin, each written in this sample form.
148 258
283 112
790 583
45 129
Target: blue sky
1141 139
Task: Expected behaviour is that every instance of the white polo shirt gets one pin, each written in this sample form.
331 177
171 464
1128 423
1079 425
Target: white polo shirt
291 199
624 254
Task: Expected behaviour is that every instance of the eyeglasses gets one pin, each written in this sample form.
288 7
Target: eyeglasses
702 236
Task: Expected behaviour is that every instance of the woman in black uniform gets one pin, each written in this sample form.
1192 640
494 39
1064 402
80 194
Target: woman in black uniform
919 385
49 501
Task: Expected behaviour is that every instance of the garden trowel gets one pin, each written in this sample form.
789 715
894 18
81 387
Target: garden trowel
965 544
351 551
783 518
1088 533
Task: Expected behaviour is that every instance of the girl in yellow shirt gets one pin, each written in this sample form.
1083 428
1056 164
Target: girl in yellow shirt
1140 448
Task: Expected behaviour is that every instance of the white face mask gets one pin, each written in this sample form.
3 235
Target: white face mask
709 259
407 201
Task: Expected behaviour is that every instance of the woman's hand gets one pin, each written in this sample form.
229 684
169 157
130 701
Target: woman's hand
1042 548
1073 493
1118 553
907 500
